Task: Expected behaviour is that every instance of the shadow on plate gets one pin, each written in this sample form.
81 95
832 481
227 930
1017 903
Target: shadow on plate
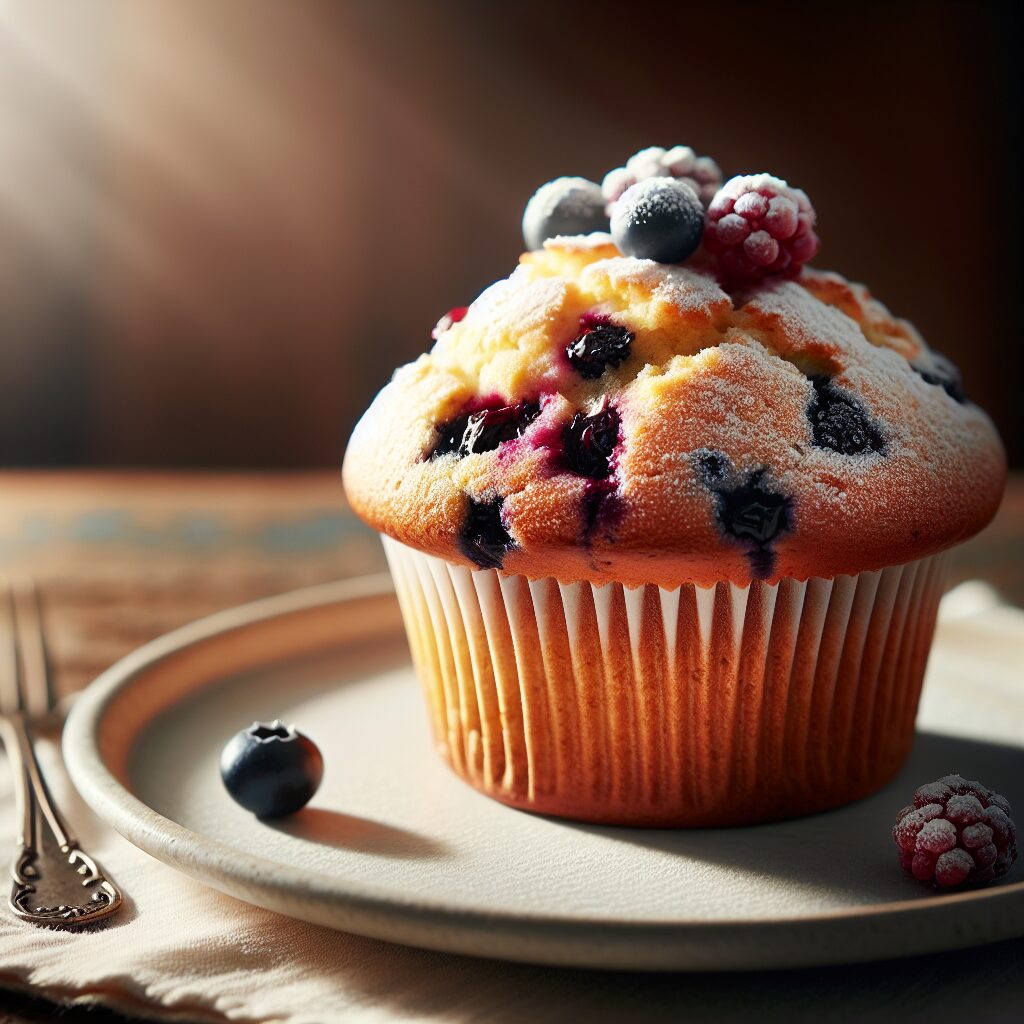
362 835
846 852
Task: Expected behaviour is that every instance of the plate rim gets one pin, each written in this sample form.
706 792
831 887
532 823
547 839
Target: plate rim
204 858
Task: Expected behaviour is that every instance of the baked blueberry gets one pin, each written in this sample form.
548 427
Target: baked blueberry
482 431
711 466
658 219
483 537
840 422
589 442
565 206
749 508
449 436
487 429
271 769
752 511
599 344
943 373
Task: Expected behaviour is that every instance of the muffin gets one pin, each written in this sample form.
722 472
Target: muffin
669 532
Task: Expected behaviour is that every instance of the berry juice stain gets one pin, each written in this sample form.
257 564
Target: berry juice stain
603 509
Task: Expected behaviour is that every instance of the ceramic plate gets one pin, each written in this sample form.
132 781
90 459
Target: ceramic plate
396 847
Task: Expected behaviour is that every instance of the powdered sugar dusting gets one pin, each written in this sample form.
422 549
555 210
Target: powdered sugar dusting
579 243
523 299
684 290
880 327
801 322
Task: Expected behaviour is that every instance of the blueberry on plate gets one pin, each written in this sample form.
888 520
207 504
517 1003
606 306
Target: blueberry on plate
658 219
271 769
565 206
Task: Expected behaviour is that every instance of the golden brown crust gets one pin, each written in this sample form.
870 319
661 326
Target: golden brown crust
713 401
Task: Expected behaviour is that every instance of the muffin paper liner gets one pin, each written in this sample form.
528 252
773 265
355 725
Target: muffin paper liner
694 706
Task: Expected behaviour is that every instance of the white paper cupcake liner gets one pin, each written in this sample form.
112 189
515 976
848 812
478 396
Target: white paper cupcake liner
693 706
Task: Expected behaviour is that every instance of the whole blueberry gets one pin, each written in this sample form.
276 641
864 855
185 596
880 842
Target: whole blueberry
565 206
271 769
658 219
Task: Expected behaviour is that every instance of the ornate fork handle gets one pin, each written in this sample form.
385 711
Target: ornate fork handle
33 864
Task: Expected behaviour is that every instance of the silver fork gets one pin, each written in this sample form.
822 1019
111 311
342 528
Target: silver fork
26 691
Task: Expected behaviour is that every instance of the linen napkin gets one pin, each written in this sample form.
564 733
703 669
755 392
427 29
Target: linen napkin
181 951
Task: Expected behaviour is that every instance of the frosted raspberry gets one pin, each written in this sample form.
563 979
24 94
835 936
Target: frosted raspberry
952 868
956 832
701 173
757 226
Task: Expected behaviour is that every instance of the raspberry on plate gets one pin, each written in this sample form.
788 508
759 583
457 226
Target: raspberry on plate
955 833
758 226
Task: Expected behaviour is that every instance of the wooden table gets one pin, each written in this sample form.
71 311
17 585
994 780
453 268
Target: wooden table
121 558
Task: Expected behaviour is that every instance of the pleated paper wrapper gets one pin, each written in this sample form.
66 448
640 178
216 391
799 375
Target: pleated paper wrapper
686 707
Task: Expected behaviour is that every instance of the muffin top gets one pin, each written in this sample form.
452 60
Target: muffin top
605 417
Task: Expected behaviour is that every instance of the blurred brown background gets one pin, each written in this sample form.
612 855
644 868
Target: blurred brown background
222 224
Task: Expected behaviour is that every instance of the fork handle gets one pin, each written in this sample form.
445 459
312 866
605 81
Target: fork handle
33 863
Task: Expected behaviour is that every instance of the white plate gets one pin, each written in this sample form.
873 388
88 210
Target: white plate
395 847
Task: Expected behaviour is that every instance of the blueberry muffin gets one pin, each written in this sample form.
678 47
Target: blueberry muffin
668 510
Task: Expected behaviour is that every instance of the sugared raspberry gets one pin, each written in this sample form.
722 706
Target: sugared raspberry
956 832
701 173
757 226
